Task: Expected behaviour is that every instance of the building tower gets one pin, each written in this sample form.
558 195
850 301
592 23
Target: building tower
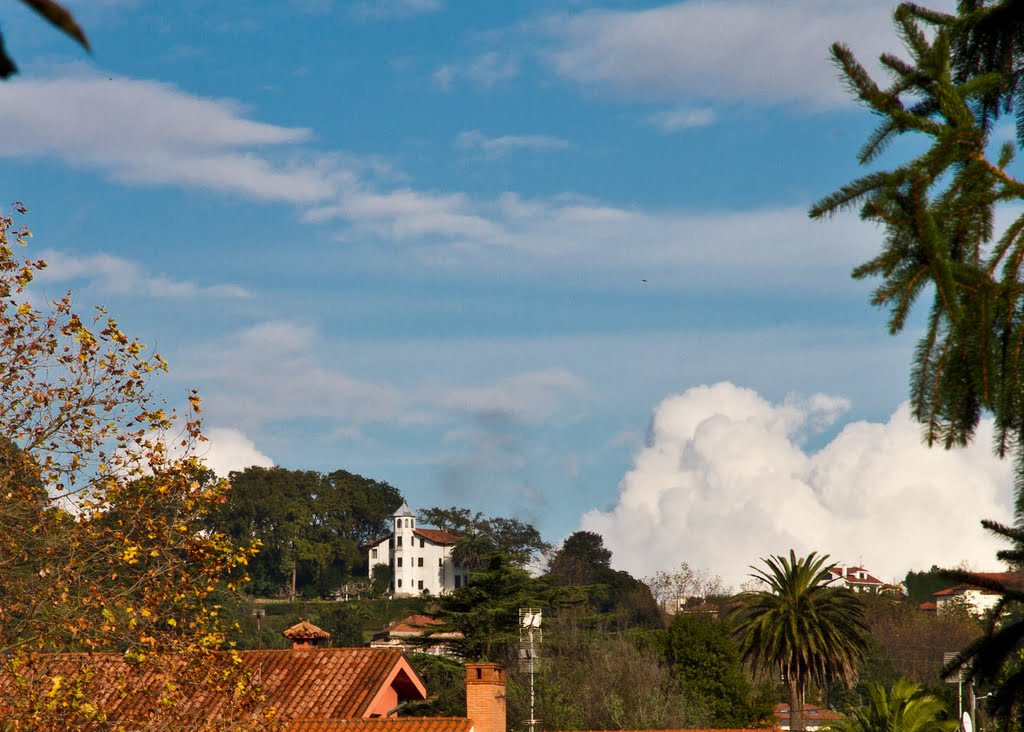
404 567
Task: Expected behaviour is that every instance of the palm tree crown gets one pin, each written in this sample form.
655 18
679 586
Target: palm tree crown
907 707
472 549
800 627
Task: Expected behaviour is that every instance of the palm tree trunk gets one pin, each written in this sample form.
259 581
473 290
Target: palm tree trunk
796 705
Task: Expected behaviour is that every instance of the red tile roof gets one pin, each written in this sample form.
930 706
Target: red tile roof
811 712
413 624
393 724
851 576
331 682
438 536
1012 579
328 682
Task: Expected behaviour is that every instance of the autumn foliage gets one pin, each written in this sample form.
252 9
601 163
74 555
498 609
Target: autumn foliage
107 580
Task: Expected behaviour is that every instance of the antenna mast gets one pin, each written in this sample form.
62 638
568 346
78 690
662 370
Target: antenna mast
530 639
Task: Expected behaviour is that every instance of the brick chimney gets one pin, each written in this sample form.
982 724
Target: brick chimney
485 696
305 635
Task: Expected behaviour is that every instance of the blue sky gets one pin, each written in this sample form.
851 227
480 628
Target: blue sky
476 249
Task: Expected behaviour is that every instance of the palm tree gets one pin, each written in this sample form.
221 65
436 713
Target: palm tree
800 627
472 549
907 707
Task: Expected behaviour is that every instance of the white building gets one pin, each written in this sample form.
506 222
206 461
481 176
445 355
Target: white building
420 559
857 579
978 602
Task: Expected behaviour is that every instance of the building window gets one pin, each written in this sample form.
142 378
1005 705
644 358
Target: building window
440 562
373 554
419 585
458 581
421 544
399 583
398 539
399 561
419 562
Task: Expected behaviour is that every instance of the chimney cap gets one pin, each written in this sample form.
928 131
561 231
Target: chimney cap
305 631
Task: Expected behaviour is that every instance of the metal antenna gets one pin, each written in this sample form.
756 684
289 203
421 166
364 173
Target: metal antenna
530 638
259 613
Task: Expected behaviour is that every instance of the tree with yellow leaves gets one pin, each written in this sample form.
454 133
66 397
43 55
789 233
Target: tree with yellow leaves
107 580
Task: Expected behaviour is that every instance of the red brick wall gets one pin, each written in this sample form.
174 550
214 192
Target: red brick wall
485 696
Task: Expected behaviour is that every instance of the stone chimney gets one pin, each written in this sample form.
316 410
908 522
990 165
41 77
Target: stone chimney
305 635
485 696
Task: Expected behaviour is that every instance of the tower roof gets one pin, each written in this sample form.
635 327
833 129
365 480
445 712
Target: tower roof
404 511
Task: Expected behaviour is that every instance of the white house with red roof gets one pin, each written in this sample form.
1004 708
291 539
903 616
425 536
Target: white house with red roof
857 579
977 600
420 559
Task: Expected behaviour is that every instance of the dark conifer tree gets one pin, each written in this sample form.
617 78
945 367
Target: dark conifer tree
938 213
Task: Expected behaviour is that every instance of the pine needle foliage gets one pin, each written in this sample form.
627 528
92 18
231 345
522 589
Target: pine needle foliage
995 661
938 211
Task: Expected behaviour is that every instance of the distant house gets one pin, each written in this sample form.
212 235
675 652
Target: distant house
978 601
704 608
407 634
420 559
857 579
814 717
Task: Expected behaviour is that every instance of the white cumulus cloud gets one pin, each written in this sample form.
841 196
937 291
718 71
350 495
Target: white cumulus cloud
725 479
228 449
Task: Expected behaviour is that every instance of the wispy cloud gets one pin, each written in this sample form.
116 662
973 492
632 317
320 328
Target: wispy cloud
118 276
147 133
734 50
530 396
153 133
484 71
394 9
498 146
683 118
278 370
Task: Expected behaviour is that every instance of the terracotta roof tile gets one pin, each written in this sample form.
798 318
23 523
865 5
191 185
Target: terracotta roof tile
414 624
438 536
339 683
